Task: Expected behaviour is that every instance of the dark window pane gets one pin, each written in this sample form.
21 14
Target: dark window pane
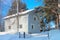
9 27
20 26
34 18
32 26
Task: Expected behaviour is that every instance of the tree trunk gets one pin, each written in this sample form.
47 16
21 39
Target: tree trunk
57 22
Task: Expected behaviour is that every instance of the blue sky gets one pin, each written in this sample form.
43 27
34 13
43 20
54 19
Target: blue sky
30 5
5 6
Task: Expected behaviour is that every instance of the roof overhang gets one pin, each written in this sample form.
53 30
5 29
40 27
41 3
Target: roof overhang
20 13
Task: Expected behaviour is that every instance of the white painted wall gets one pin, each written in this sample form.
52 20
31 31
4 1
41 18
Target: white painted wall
35 23
9 22
23 20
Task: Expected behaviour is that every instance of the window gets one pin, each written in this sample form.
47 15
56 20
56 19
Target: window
32 26
34 18
9 27
20 26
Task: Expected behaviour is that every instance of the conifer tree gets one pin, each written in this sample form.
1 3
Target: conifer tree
21 7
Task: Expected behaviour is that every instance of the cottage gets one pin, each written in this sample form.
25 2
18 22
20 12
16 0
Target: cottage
28 22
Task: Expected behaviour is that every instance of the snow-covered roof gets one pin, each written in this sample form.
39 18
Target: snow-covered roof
20 13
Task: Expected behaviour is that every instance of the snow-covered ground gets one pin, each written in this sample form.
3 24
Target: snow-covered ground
53 35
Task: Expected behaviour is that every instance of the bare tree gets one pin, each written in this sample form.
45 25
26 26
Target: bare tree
1 25
1 17
53 4
50 10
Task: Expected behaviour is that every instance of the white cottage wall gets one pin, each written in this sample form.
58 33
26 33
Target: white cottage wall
23 21
12 22
33 21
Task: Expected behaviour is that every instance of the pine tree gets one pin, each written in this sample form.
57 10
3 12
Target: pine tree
13 9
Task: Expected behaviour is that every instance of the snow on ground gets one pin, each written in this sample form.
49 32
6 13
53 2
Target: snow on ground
53 35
